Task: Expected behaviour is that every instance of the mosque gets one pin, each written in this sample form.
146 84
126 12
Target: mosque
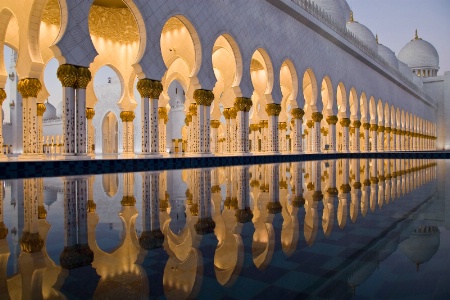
210 77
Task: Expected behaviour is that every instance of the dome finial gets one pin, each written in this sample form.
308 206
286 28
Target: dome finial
376 38
351 16
416 36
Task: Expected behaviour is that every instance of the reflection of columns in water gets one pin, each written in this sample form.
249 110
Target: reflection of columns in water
365 193
202 196
243 213
3 228
42 213
356 191
2 98
387 182
374 184
330 198
381 182
76 251
344 193
356 137
297 184
274 206
31 241
151 236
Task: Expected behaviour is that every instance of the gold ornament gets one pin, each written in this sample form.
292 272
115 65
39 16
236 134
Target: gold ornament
356 124
215 123
317 116
333 192
282 126
317 196
188 119
203 97
332 120
127 116
373 127
226 113
380 128
254 127
345 188
193 109
162 114
357 185
91 206
42 213
243 104
83 77
67 74
150 89
273 109
128 201
90 113
29 87
2 96
345 122
366 126
233 113
41 109
215 189
387 129
31 242
297 113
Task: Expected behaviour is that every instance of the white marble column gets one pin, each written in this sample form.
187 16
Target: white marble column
357 139
264 124
345 123
332 121
242 106
380 138
128 133
68 74
90 113
2 98
254 130
309 136
83 79
282 126
29 88
204 99
366 127
163 117
397 139
374 135
215 124
388 131
228 136
149 91
233 130
273 111
190 133
40 109
297 140
317 137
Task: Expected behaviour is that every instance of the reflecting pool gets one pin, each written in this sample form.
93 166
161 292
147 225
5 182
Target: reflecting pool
361 228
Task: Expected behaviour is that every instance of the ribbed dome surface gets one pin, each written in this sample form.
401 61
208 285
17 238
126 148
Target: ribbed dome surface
388 55
50 111
332 8
345 9
419 54
364 34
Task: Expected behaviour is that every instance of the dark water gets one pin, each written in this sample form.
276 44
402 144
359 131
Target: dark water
377 229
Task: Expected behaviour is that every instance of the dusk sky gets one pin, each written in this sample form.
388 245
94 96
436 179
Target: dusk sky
395 22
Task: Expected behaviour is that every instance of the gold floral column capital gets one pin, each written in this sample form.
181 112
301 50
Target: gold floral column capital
310 124
215 123
3 231
127 116
243 104
193 109
273 109
83 77
345 122
332 120
149 88
67 74
188 119
233 113
373 127
41 109
282 126
380 129
203 97
357 124
90 113
297 113
162 114
366 126
29 87
387 129
2 96
226 113
254 127
317 116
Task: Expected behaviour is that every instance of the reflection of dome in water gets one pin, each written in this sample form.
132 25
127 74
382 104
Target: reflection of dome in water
361 273
422 244
50 111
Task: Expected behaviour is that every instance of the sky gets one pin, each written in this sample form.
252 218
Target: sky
395 22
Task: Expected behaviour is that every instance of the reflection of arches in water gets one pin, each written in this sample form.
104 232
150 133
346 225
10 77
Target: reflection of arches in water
110 134
110 184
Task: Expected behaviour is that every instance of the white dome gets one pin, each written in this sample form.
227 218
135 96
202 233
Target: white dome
50 111
364 34
388 55
345 9
419 54
332 8
59 109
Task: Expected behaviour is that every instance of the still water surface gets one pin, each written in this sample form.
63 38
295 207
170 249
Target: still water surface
370 228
